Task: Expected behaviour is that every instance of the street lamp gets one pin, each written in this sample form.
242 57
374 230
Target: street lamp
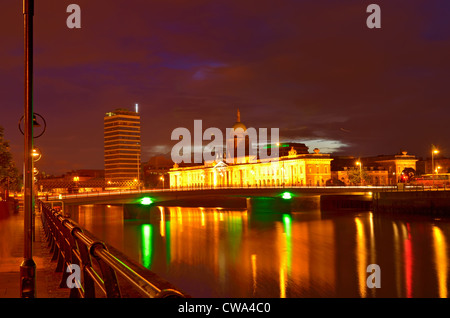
162 179
28 266
437 171
36 154
434 151
358 163
138 168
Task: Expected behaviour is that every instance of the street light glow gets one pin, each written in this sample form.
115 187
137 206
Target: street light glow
146 201
287 195
434 170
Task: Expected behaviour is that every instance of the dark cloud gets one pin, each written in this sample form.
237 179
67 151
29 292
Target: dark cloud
311 68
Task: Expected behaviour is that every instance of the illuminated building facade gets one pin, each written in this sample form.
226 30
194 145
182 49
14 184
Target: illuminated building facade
380 170
289 169
122 144
394 164
441 165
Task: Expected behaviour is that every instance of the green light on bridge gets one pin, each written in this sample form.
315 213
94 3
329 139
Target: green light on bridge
287 195
146 201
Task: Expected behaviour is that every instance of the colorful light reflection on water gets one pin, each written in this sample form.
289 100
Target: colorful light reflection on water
213 252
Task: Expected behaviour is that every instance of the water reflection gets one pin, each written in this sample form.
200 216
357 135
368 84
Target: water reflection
361 257
440 251
146 245
213 252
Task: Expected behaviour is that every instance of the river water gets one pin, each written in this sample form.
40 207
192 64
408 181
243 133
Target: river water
214 252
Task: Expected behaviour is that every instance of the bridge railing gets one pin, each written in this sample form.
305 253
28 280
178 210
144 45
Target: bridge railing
387 188
98 266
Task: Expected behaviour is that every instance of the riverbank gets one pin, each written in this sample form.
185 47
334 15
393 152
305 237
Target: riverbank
412 202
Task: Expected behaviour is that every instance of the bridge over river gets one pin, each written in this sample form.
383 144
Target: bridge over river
282 199
170 196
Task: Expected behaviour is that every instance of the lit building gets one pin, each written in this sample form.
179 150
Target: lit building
84 180
378 171
155 172
394 164
441 165
122 132
289 169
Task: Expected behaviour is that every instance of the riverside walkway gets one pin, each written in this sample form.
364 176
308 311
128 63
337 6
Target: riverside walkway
11 256
58 243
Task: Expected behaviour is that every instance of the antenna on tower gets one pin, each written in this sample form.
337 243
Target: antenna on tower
137 108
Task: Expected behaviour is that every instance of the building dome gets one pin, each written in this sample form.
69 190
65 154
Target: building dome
238 123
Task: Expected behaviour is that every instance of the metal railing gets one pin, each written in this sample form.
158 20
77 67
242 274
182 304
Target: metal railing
99 267
416 188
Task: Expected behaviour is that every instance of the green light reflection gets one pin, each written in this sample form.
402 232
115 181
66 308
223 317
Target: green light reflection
287 224
146 231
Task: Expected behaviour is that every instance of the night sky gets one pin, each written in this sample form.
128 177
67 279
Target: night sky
313 69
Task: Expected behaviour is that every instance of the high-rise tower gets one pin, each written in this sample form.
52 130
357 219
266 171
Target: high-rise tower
122 131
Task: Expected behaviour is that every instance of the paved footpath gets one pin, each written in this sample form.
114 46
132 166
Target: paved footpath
11 256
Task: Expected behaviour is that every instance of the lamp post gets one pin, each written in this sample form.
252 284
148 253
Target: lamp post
437 171
434 151
358 163
28 266
36 156
138 169
162 180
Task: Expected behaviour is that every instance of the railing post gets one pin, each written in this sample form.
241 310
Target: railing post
109 275
66 256
88 282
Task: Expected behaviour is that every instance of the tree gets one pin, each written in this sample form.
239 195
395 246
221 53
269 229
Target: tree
358 177
9 175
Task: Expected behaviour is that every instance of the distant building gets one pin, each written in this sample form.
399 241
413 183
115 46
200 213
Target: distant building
156 172
379 170
441 165
394 164
342 168
122 147
86 174
84 180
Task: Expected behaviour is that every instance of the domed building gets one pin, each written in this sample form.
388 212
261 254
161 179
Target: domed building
241 165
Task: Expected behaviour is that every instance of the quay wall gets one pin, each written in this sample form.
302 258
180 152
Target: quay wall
343 202
412 202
